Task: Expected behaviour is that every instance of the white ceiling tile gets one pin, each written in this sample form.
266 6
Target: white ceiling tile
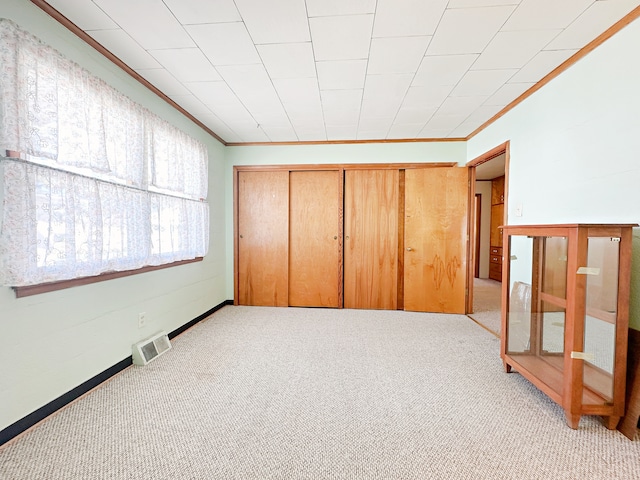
275 21
300 95
225 43
186 64
426 97
513 49
383 94
341 74
460 105
85 14
367 124
280 134
482 82
409 115
545 14
442 70
433 132
480 3
342 132
149 22
476 119
222 101
467 30
508 93
399 18
288 60
164 81
595 20
253 87
311 134
192 104
341 107
540 65
125 48
397 54
341 38
326 8
443 122
220 128
210 11
251 134
371 134
404 130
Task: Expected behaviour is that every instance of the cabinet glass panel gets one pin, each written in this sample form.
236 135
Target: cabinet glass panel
520 279
601 308
554 272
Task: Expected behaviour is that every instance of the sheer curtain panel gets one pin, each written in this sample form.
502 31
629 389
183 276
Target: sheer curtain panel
92 181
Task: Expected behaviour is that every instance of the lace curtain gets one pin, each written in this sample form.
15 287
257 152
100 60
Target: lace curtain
101 184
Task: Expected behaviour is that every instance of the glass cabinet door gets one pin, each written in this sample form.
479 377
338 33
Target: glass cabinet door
601 311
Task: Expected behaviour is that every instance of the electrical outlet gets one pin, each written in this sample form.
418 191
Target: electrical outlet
142 319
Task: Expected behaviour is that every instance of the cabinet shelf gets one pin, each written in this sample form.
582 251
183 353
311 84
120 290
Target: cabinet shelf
565 300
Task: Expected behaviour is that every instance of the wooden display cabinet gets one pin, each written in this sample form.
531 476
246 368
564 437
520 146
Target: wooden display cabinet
565 309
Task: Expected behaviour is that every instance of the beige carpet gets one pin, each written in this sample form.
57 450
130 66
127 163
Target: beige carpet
277 393
486 304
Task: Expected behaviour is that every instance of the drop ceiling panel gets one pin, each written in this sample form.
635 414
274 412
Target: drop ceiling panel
442 70
507 93
383 94
186 64
404 18
543 63
341 37
384 58
125 48
225 43
596 19
85 14
325 8
164 81
149 22
190 12
513 49
482 82
467 30
341 74
343 69
545 14
288 60
275 21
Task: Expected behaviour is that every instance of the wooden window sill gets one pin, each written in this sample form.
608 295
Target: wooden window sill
75 282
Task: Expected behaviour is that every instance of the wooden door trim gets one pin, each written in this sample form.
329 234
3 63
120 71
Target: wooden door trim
345 166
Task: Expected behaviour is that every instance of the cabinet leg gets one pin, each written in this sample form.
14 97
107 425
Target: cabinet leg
611 422
573 420
507 367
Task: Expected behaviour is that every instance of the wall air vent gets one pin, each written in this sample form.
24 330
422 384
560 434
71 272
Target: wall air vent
150 349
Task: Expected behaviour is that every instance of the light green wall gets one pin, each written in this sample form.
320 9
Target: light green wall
51 343
575 145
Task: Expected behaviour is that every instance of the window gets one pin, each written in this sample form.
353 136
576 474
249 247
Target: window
92 181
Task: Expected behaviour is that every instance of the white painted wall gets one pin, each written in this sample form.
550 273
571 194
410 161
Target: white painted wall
575 145
483 187
414 152
53 342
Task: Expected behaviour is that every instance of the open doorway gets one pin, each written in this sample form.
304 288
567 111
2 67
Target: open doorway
489 182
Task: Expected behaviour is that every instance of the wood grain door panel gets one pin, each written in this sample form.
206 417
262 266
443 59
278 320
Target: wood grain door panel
371 239
315 238
263 238
435 238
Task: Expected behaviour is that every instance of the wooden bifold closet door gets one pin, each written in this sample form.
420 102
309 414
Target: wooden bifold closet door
371 239
315 238
289 238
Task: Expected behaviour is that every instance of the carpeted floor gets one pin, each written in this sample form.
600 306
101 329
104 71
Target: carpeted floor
486 304
288 393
